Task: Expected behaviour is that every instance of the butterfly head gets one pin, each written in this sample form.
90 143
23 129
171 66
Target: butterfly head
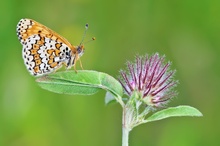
80 50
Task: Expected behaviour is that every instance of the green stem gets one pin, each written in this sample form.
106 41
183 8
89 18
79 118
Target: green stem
125 135
125 126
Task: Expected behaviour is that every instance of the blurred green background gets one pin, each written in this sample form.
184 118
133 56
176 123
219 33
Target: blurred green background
187 32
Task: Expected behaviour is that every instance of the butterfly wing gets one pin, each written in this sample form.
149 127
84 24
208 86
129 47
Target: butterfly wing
44 50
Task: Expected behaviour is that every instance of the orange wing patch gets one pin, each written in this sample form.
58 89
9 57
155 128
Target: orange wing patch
44 51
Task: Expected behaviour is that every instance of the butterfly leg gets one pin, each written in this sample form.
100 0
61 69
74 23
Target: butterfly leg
80 64
74 62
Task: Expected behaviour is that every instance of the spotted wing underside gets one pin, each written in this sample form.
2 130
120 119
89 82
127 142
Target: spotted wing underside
44 50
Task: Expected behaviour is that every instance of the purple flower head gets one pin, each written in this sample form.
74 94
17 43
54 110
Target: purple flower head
151 78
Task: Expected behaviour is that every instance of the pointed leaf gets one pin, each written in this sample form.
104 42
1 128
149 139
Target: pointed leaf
174 112
84 82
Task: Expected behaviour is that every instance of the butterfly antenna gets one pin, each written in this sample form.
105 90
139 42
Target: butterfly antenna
86 26
92 39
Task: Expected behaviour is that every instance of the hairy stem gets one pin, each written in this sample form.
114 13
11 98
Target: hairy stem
125 127
125 135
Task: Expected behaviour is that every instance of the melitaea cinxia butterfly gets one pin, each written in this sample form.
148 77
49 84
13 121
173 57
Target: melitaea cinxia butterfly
44 51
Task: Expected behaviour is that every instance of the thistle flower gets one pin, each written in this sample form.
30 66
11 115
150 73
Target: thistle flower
151 79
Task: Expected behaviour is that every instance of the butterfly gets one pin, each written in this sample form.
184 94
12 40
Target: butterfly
45 51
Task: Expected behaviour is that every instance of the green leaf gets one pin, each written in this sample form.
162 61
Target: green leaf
109 98
178 111
84 82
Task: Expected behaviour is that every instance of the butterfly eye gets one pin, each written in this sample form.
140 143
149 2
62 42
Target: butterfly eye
80 49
